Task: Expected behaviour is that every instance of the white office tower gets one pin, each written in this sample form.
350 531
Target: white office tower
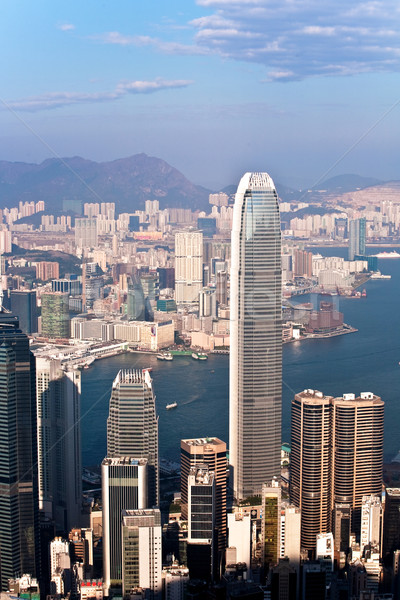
371 523
141 552
132 424
188 266
256 336
175 581
60 567
58 399
325 550
124 487
290 527
239 536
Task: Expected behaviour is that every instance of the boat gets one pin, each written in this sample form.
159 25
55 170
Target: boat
168 356
364 293
195 356
392 254
202 356
378 275
172 405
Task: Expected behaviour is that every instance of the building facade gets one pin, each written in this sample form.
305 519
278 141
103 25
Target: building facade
55 315
58 393
23 306
132 424
124 487
188 266
336 458
256 336
141 552
19 515
311 463
212 452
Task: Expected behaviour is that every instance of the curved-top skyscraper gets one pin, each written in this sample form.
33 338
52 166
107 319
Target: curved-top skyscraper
256 336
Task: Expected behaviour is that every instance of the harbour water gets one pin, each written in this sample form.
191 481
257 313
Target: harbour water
367 360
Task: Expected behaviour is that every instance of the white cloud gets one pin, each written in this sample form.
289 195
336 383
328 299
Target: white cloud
66 27
296 39
148 87
53 100
293 39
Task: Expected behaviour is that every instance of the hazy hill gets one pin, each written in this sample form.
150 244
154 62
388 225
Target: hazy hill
347 183
127 181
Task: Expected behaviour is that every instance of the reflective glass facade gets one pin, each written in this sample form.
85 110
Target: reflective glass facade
256 336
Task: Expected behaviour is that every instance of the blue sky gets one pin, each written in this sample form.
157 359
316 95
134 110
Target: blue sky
214 87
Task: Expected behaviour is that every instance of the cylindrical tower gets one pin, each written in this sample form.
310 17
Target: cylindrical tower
310 460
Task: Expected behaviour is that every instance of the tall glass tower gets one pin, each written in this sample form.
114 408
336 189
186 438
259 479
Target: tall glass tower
132 424
19 515
256 336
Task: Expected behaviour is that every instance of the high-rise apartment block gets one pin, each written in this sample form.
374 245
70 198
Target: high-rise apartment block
86 232
222 287
255 336
141 552
212 452
357 237
55 315
188 266
124 487
336 457
302 263
58 393
132 424
19 515
46 270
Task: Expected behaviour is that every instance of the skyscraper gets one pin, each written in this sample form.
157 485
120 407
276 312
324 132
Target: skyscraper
256 336
132 425
55 315
141 552
188 266
212 452
311 463
357 235
19 522
357 450
124 487
59 442
336 457
23 305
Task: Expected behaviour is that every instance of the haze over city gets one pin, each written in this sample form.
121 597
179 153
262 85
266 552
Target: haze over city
213 87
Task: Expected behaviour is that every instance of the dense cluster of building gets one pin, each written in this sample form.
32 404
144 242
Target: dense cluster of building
255 521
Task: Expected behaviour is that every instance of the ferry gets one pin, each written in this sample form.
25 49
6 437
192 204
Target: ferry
160 357
195 356
168 356
172 405
378 275
202 356
387 255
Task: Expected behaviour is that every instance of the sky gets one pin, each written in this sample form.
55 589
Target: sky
302 89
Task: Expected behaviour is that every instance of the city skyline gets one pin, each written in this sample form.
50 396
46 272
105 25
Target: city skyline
105 83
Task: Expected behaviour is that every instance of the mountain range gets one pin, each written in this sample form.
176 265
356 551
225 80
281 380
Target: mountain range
66 183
